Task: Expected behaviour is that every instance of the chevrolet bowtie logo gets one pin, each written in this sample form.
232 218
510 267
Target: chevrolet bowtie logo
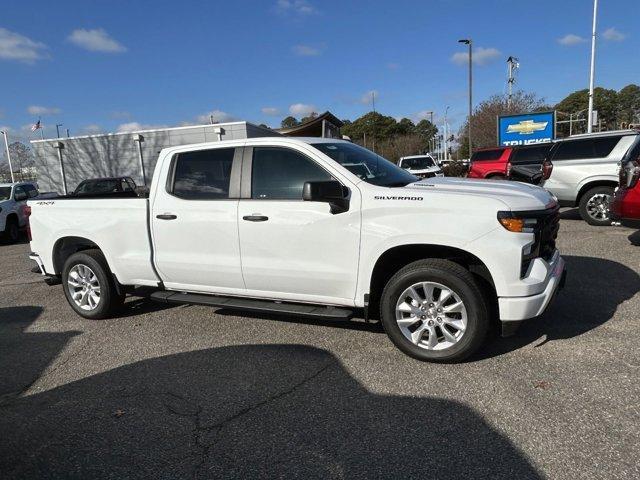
526 127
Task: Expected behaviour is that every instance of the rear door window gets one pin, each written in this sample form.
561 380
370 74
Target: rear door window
574 150
31 190
203 174
483 155
604 146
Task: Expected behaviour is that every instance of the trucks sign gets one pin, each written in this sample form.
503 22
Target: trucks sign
527 128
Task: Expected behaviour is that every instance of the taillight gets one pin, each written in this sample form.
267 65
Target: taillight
547 168
27 210
629 174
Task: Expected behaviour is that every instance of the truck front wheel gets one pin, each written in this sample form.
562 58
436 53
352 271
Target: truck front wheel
89 285
433 310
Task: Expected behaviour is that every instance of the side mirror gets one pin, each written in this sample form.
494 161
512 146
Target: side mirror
331 192
20 196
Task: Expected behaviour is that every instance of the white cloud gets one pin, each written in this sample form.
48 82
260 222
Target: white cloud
96 40
366 97
218 116
39 110
295 7
270 111
570 39
92 129
301 109
14 46
613 35
135 126
481 56
307 50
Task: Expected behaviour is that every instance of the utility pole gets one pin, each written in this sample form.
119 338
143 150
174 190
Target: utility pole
373 106
446 135
6 145
469 42
512 65
593 67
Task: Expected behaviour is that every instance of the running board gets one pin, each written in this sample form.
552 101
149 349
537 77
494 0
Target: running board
253 305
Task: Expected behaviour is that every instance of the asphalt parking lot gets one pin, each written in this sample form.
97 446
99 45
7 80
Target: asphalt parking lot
189 391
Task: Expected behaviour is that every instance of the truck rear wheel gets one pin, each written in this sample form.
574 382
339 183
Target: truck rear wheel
12 230
89 285
594 206
433 310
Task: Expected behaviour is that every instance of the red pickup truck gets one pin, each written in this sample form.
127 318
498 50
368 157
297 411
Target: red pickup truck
625 207
490 163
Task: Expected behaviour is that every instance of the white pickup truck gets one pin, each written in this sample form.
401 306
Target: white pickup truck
312 227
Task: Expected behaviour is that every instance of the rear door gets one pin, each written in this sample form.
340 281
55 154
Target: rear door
294 249
194 219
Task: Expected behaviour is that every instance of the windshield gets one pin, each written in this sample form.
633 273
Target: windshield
366 165
97 186
5 193
418 163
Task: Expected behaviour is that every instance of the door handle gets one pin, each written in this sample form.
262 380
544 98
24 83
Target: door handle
167 216
255 218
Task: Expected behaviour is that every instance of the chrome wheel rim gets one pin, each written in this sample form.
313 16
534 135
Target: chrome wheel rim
84 287
598 206
431 315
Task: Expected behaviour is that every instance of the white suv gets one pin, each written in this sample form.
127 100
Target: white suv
422 166
585 171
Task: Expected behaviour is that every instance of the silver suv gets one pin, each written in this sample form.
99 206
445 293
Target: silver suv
585 171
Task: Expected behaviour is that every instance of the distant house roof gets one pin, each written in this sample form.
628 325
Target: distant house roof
314 127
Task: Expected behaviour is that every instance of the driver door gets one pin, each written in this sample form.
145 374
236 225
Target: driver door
290 248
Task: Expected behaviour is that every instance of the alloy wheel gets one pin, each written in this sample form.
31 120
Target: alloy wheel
431 315
84 287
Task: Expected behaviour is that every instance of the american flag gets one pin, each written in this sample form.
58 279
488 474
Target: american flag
36 126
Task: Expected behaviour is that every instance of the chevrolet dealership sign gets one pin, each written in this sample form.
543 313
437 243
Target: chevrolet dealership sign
526 129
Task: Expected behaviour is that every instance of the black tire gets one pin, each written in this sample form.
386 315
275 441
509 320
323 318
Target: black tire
458 279
110 301
11 230
584 201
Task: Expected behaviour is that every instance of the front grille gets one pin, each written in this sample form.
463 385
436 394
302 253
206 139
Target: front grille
545 232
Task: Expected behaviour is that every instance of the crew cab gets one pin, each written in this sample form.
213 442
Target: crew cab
13 214
422 166
312 227
490 163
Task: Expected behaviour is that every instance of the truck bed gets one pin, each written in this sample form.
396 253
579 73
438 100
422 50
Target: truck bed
116 223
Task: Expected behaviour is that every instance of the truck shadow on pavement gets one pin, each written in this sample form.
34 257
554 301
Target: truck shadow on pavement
24 356
255 411
595 288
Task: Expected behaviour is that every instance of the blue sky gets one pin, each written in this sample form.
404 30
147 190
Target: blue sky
102 66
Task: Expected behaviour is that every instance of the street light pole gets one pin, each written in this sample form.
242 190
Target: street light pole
6 145
58 125
593 67
469 42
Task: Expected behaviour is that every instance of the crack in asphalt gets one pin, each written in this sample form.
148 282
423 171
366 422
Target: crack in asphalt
201 431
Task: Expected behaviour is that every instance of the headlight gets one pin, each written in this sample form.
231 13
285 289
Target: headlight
515 224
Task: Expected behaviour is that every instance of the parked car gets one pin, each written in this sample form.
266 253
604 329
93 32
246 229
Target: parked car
422 166
312 227
490 163
96 186
527 163
585 171
13 214
625 207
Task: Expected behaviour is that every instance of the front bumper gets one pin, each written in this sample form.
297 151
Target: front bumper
515 309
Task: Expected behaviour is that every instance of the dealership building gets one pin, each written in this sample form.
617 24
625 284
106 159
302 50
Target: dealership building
62 163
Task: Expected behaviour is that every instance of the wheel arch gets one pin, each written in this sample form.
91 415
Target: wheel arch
394 258
593 183
64 247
